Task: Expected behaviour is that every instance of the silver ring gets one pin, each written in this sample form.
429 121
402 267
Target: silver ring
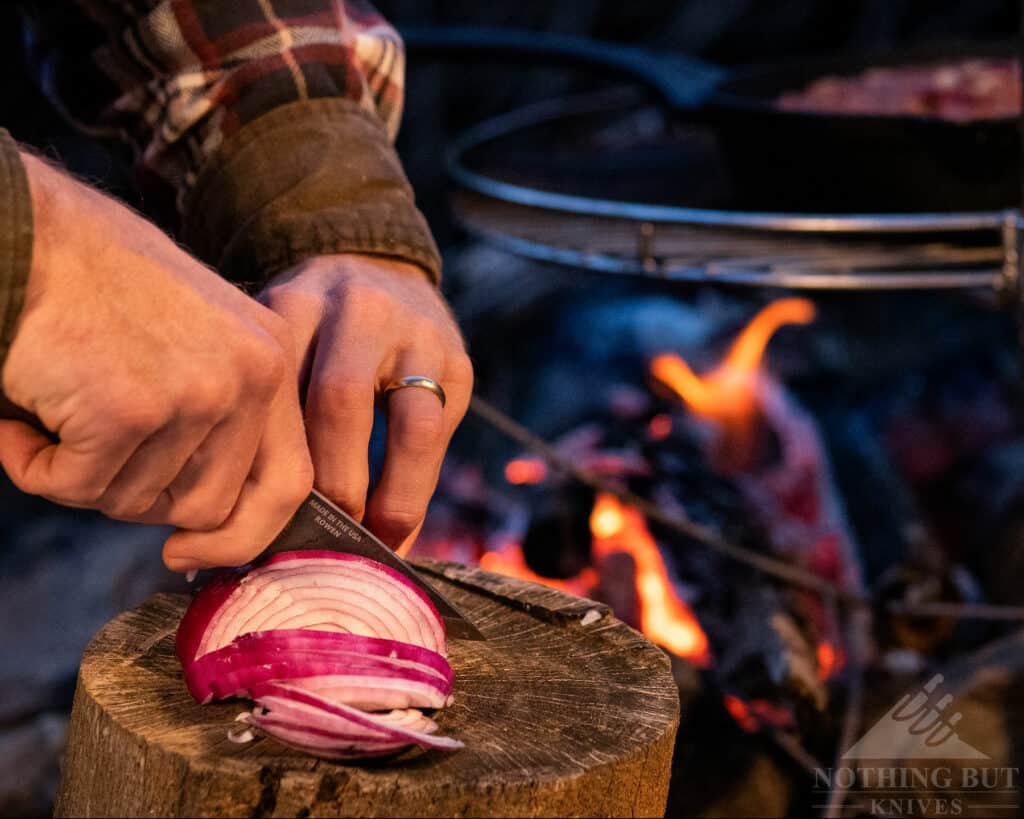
418 381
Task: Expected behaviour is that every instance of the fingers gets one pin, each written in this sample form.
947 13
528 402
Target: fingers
280 479
151 469
205 491
417 436
339 419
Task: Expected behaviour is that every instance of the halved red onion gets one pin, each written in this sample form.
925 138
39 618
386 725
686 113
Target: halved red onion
269 655
337 650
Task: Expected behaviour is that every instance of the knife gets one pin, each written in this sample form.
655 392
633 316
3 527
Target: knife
319 524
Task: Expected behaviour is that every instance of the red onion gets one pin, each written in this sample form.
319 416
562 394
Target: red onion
337 651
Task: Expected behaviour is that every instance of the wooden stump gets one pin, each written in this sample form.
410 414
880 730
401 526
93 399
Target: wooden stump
565 711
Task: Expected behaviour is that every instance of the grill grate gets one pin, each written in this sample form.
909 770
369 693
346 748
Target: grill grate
703 244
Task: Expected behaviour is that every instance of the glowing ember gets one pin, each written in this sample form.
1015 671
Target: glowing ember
525 471
758 713
830 660
728 394
665 617
739 711
660 427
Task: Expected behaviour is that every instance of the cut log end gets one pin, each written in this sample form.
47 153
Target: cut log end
565 711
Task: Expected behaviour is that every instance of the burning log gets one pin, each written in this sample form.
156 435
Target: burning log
770 657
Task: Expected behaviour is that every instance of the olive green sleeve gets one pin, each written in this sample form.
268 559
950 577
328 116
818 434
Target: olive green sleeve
307 179
15 239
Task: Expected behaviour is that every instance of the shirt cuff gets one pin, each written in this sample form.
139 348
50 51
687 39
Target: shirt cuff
15 239
307 179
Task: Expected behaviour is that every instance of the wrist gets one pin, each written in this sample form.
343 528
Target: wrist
45 192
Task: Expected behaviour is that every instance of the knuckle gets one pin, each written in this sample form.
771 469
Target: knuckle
462 373
85 494
267 366
202 514
348 498
209 397
337 395
127 507
400 518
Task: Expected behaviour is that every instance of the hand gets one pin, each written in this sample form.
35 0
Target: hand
361 322
172 395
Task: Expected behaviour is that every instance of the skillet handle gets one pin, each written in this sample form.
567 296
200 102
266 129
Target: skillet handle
684 82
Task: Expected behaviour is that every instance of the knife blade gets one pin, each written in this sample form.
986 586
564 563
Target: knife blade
319 524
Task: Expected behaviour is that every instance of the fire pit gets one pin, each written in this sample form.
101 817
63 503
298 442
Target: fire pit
812 526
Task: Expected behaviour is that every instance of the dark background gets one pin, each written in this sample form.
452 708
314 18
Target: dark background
443 97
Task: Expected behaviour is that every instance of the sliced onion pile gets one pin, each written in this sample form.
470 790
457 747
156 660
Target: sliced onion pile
338 652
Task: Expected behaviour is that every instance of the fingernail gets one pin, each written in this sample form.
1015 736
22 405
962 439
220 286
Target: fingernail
187 566
190 575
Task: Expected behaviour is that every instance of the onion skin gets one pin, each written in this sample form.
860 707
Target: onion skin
318 687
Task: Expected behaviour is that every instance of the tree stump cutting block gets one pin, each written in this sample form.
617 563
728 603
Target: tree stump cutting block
565 711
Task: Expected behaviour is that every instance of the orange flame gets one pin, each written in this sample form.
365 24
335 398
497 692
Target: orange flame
620 529
730 381
510 561
664 616
525 470
727 394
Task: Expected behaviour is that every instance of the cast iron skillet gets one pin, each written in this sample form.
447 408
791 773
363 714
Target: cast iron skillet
793 160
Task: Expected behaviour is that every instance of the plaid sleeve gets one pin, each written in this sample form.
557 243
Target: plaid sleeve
183 81
179 77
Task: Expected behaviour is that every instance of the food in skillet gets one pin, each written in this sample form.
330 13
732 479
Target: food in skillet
957 91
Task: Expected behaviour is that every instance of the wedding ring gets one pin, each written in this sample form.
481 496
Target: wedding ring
418 381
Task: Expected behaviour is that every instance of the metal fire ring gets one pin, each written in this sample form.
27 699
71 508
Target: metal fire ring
1002 277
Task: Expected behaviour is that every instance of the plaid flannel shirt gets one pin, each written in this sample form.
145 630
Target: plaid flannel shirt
272 121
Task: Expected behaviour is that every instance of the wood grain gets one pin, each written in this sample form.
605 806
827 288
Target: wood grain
565 711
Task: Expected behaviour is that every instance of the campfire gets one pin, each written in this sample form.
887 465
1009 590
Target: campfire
703 502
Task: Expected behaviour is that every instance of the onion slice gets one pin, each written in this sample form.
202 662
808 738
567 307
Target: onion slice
338 652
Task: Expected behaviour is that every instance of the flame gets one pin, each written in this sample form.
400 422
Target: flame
525 470
620 529
510 561
727 394
664 616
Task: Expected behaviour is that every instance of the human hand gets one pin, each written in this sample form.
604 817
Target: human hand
170 393
361 322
